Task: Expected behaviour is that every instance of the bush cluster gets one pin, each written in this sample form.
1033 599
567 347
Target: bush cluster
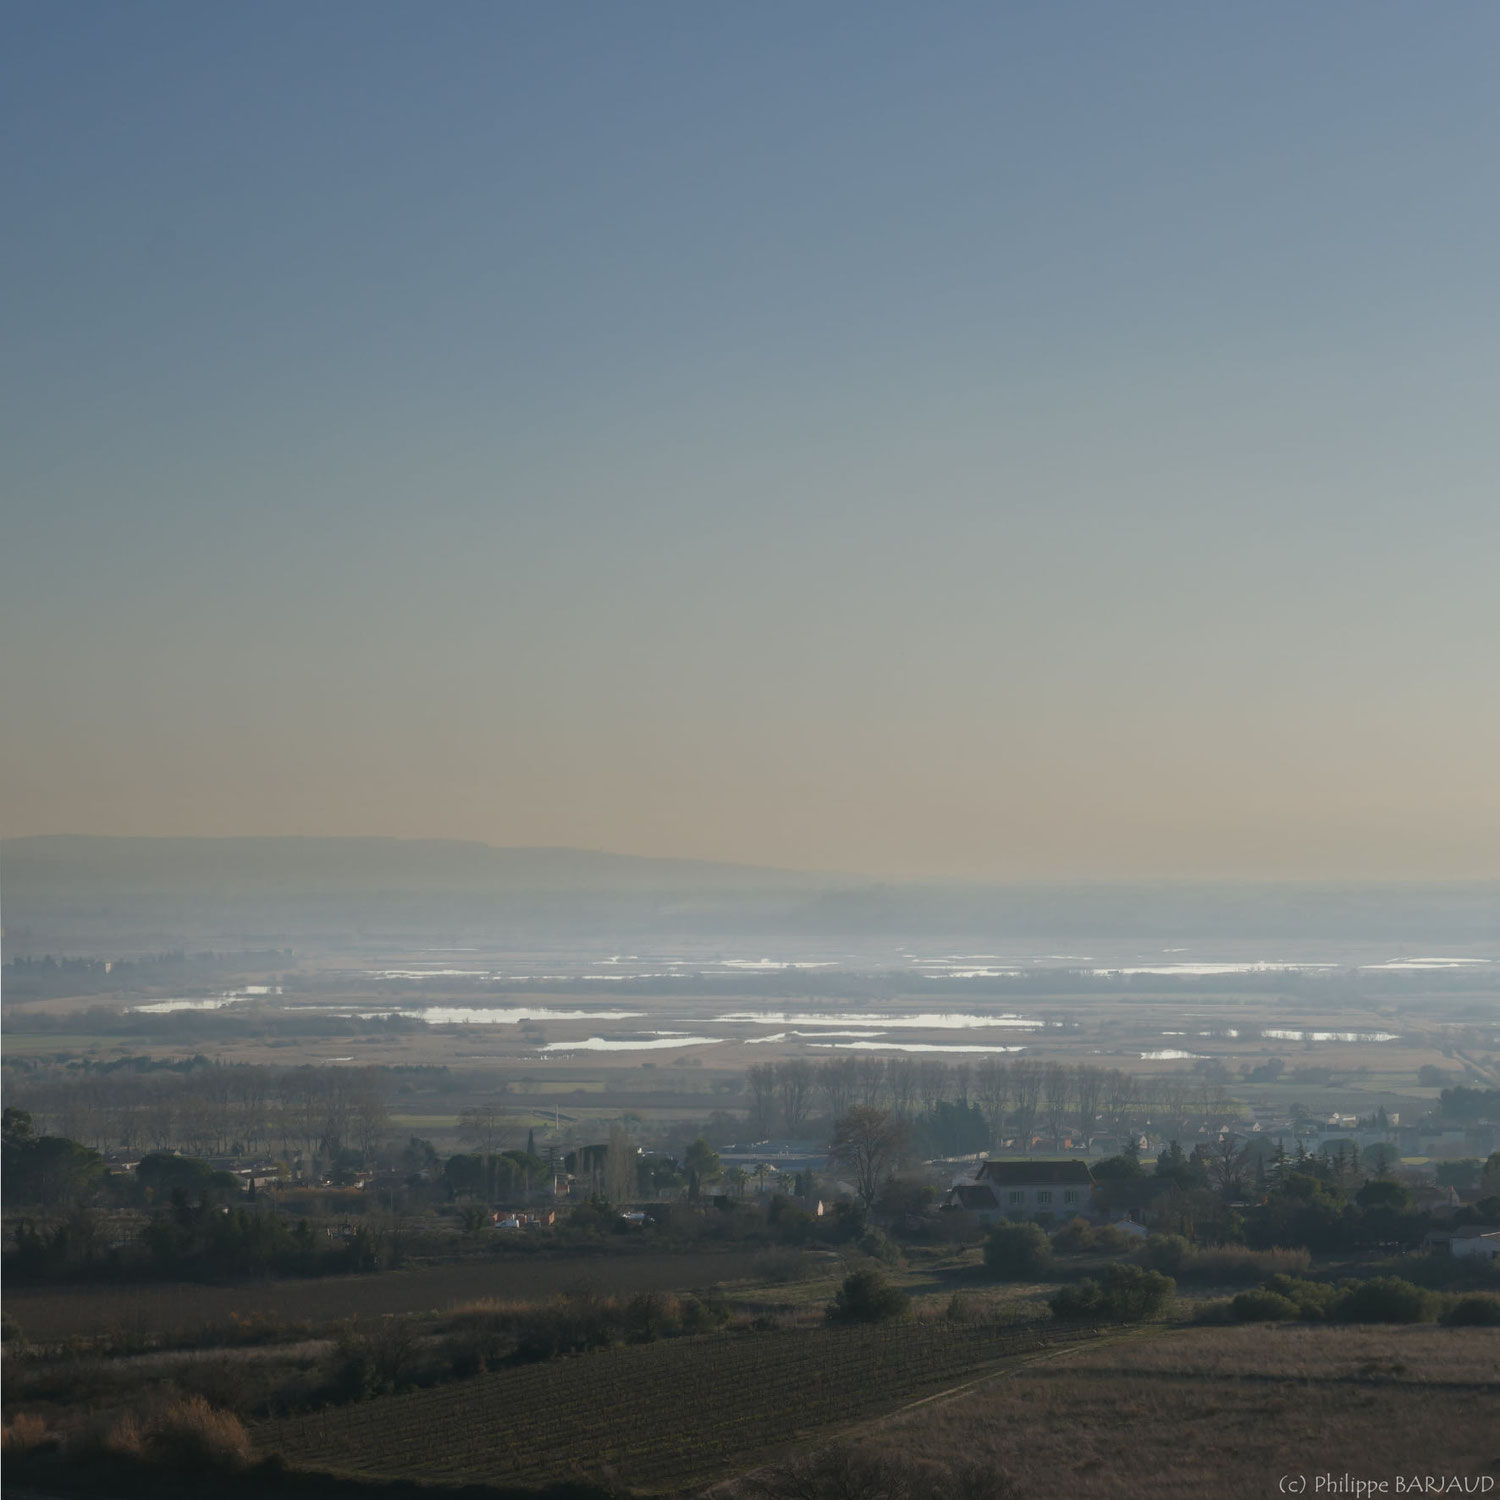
1376 1299
1219 1264
1079 1237
1125 1294
867 1297
186 1435
1018 1252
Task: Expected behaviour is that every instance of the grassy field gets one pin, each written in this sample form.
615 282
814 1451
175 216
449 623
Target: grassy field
1183 1413
178 1310
657 1416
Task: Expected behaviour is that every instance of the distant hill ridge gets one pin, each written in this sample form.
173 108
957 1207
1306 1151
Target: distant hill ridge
76 893
56 862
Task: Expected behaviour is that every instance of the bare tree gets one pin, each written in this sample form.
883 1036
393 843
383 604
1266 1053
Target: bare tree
901 1079
1228 1168
1212 1100
993 1087
794 1086
369 1117
838 1078
620 1166
1121 1096
960 1073
867 1143
932 1082
1088 1091
1057 1094
872 1082
484 1124
251 1093
1026 1085
1173 1091
159 1121
761 1079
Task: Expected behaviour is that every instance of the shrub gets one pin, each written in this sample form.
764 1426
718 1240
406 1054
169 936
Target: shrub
188 1434
879 1246
1076 1236
1477 1311
24 1433
568 1325
1382 1299
1313 1299
652 1315
1262 1306
1164 1252
1127 1294
867 1297
699 1316
1219 1265
1017 1252
378 1359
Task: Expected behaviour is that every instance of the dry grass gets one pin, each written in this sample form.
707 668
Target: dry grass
1228 1412
23 1433
1301 1351
1233 1265
188 1434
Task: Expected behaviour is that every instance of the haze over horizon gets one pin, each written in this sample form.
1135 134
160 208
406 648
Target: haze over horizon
1001 442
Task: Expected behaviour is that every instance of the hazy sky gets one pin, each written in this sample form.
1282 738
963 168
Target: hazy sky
980 439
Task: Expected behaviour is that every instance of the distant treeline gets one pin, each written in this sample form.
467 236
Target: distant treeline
234 1110
44 978
192 1026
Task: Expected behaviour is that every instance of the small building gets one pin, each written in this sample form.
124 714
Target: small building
1479 1240
1025 1189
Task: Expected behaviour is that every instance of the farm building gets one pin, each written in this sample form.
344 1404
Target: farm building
1025 1189
1482 1241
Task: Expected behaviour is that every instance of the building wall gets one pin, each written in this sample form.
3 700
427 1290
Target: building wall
1062 1199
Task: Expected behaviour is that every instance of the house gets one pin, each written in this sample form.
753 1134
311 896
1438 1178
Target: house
1025 1189
1128 1226
1479 1240
1439 1200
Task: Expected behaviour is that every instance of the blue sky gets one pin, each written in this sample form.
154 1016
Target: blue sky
1025 440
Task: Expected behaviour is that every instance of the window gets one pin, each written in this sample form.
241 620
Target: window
1071 1195
1044 1195
1017 1197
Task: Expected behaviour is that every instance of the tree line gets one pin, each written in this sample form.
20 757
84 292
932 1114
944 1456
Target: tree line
237 1109
978 1106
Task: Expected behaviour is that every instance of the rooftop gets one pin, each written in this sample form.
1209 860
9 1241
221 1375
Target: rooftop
1035 1173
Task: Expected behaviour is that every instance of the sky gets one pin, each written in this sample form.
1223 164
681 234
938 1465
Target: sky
996 440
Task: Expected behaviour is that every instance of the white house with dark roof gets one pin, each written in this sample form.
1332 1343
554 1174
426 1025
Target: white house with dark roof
1025 1190
1482 1241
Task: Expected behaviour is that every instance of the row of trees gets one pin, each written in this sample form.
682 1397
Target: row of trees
215 1110
1018 1096
1260 1194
